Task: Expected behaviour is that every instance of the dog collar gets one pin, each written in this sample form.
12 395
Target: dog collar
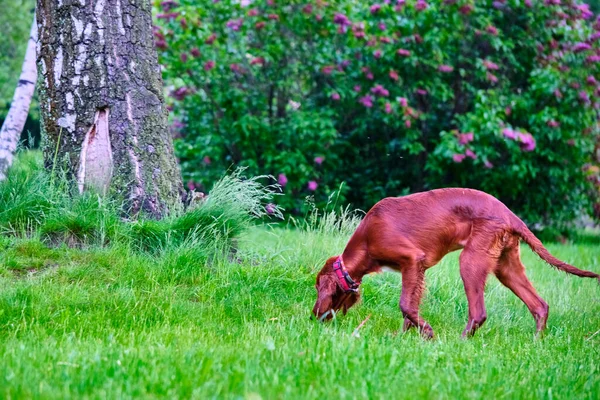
346 282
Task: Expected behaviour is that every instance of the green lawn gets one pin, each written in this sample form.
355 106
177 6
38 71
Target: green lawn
110 323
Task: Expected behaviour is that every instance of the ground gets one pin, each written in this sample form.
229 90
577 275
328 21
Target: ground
110 323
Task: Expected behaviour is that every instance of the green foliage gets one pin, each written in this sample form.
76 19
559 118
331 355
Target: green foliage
33 202
389 98
111 323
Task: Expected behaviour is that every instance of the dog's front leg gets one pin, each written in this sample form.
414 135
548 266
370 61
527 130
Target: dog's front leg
413 283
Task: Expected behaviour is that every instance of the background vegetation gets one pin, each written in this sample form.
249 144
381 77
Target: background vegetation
389 98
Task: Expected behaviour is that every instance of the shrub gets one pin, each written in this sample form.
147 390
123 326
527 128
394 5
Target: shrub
391 98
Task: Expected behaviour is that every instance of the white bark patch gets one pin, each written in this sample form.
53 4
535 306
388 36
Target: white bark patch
80 59
78 24
96 160
86 80
119 12
70 101
68 122
19 107
98 11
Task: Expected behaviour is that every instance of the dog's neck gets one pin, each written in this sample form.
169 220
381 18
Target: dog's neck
358 264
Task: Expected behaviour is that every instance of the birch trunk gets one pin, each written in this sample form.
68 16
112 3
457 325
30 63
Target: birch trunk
19 107
101 102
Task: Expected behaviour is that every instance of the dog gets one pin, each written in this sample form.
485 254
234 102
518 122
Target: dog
413 233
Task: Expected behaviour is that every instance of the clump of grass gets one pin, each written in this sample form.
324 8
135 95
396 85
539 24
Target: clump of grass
86 219
230 208
34 202
25 196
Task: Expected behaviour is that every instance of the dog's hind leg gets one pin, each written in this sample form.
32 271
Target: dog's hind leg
413 283
511 273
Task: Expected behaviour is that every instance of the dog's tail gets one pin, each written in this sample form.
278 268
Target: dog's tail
521 229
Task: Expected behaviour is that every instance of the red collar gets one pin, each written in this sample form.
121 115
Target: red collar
346 282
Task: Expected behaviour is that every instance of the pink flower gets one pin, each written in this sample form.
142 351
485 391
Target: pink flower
528 3
591 80
367 72
257 61
458 158
385 39
583 96
379 90
341 20
492 30
270 208
366 101
382 26
183 57
335 96
260 25
490 65
464 138
558 94
469 153
403 52
488 164
422 92
327 69
234 24
377 54
211 39
375 8
593 58
357 88
206 160
252 12
491 77
466 9
507 110
209 65
527 141
403 101
273 17
509 133
307 9
235 68
312 186
282 180
388 108
552 123
319 160
195 52
191 185
421 5
394 75
595 36
407 123
445 68
581 46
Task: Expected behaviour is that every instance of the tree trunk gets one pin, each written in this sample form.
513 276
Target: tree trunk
19 107
101 102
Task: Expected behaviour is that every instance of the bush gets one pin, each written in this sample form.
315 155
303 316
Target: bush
391 98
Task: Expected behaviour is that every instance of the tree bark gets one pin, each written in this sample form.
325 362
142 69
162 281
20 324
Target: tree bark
101 102
19 107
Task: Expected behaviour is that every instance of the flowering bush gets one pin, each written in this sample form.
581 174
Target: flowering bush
389 97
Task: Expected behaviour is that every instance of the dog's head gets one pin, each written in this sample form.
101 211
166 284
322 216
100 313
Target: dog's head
330 296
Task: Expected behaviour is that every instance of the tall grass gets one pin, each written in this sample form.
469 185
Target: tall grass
32 202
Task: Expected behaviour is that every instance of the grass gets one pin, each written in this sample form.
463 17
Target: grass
114 323
137 309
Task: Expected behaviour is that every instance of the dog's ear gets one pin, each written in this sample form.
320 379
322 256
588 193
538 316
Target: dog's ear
350 300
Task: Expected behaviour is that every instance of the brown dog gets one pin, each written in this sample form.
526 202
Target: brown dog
411 234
